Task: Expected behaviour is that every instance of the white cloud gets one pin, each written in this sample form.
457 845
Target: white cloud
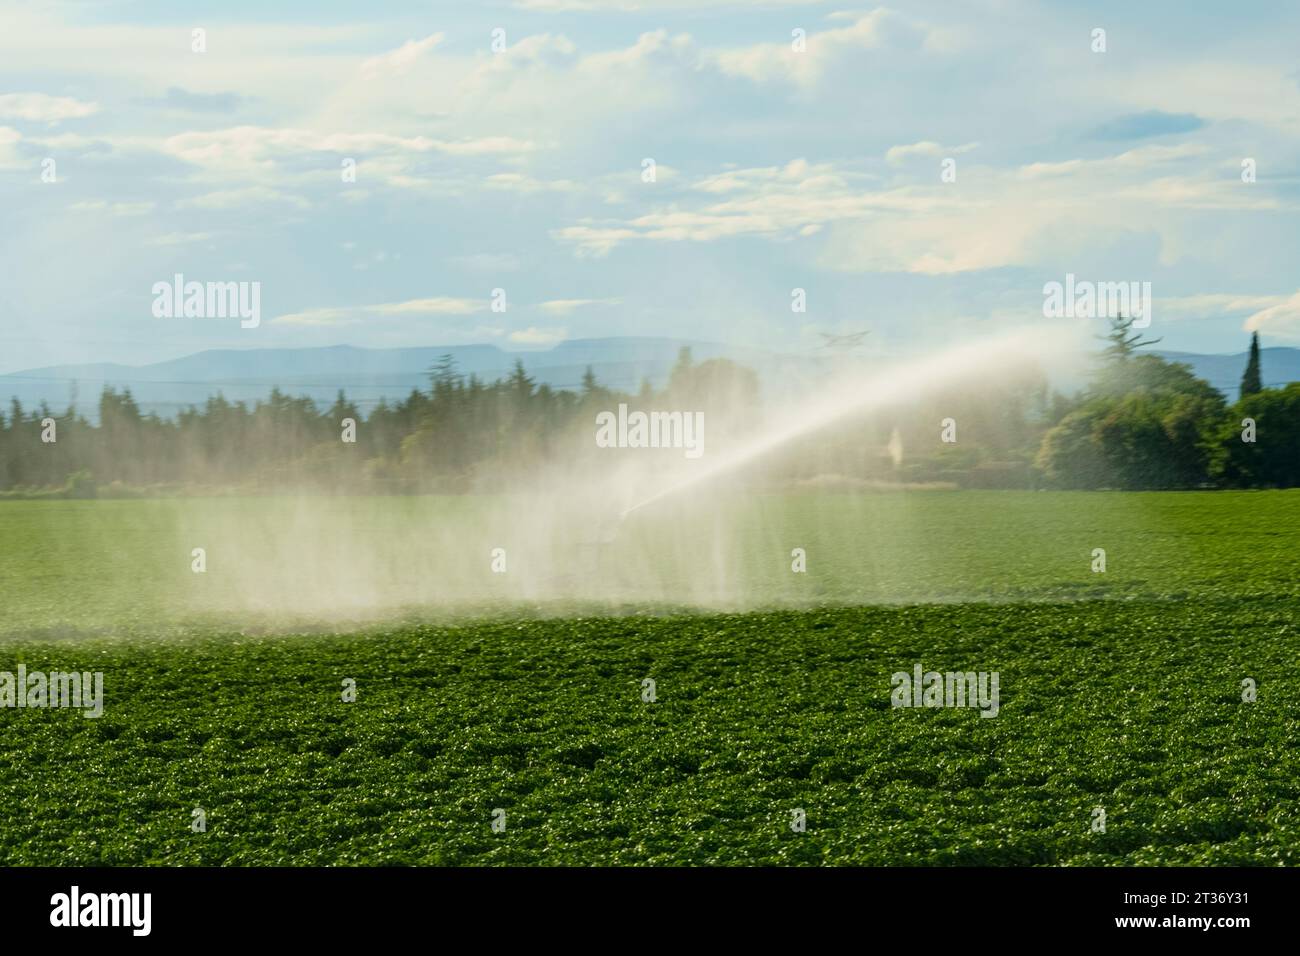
114 208
250 148
1222 89
476 90
932 227
403 57
40 108
486 146
533 336
897 155
1141 158
286 63
1209 304
568 306
779 63
520 89
550 134
434 306
1281 318
9 139
766 201
353 315
269 155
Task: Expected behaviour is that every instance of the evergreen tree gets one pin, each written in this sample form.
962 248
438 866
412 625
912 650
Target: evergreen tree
1121 344
1251 383
444 373
519 383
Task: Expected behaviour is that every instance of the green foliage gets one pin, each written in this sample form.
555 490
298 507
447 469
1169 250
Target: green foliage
1132 704
1135 708
460 434
1272 460
435 440
81 567
1144 423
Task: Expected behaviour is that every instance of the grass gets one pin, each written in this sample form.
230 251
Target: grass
1131 703
124 567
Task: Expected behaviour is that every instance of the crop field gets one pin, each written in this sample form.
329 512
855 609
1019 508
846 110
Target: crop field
1120 691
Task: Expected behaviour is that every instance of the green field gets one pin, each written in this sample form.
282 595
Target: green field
522 691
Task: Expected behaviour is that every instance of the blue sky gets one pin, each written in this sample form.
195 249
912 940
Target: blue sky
522 170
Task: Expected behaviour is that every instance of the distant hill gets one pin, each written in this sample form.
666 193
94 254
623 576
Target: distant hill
1277 365
369 375
366 375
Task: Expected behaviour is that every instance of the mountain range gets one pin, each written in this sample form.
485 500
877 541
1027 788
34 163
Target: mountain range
371 375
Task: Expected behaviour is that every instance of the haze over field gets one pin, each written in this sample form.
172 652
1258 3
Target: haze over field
124 567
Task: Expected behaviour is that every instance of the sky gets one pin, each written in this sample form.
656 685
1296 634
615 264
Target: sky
506 146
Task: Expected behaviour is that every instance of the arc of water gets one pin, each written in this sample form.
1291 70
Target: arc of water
846 397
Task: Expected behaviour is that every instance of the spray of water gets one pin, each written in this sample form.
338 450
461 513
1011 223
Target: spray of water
625 528
853 395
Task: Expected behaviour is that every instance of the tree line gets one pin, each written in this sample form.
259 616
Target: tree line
1140 423
461 433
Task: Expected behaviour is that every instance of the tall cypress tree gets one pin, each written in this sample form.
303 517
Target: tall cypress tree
1251 381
